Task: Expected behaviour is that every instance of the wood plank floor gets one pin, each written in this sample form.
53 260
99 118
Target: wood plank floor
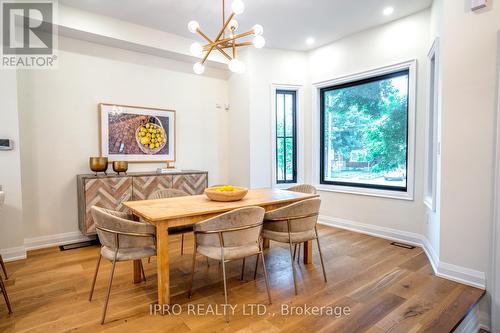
386 289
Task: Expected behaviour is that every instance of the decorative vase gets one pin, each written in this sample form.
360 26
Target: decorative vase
120 166
98 164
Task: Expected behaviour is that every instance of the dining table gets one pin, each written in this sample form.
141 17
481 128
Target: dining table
188 210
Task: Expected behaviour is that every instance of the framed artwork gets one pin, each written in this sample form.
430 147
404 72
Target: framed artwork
137 134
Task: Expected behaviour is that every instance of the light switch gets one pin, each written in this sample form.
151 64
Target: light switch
478 4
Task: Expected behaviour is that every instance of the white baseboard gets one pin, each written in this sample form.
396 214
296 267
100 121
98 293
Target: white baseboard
42 242
445 270
13 253
35 243
470 324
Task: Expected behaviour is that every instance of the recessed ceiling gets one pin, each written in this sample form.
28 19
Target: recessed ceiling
287 23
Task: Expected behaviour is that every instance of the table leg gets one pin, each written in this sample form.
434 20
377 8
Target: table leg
308 258
265 243
137 271
162 264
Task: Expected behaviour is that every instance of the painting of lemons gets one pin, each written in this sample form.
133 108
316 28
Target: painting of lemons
137 134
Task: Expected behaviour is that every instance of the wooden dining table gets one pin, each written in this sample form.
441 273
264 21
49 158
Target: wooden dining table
184 211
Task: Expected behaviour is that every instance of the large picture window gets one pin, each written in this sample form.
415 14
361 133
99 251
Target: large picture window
286 136
364 132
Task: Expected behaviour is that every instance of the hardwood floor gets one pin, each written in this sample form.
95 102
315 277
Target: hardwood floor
385 288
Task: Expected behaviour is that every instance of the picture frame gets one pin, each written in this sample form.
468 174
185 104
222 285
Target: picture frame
136 133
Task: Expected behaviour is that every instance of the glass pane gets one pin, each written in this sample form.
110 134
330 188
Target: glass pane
280 114
280 159
289 114
289 159
365 133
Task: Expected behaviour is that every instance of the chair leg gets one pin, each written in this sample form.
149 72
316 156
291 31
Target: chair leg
95 278
243 269
105 308
182 244
293 268
256 266
3 268
190 289
265 277
320 255
5 296
295 251
225 285
142 272
149 260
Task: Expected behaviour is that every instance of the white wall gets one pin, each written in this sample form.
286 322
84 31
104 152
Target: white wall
11 214
393 43
59 122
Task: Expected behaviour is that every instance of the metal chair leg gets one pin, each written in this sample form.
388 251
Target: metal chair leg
295 251
142 272
105 308
182 244
95 278
293 268
225 285
190 289
3 268
265 277
256 266
5 296
320 255
243 269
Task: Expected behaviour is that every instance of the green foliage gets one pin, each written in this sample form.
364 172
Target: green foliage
370 117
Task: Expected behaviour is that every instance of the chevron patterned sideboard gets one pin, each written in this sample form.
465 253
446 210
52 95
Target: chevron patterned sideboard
110 191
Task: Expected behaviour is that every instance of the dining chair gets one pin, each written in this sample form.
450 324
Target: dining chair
122 239
293 224
230 236
302 188
2 286
173 193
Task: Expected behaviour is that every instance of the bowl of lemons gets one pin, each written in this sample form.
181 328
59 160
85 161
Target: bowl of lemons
226 193
151 137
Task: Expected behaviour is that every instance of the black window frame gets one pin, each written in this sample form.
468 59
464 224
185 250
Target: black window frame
293 93
349 84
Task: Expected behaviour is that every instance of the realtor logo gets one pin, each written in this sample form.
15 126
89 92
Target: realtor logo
28 34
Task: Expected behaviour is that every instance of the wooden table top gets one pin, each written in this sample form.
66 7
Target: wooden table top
195 205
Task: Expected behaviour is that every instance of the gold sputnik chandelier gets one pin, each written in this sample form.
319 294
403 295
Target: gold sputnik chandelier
227 46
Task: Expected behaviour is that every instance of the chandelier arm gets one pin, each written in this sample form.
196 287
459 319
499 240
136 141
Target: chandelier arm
211 42
224 27
220 41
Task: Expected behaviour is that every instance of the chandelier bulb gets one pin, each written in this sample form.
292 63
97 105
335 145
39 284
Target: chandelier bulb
237 66
233 24
238 7
193 26
196 50
198 68
259 42
258 30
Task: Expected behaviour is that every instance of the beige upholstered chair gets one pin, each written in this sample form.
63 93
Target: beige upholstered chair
173 193
293 224
2 286
231 236
122 239
303 188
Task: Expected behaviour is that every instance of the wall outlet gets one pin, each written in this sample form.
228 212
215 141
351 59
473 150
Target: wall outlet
478 4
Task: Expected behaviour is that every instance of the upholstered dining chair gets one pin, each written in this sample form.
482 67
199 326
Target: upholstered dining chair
173 193
302 188
122 239
2 286
230 236
293 224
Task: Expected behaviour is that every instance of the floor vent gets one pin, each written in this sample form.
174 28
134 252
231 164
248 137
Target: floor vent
78 245
404 246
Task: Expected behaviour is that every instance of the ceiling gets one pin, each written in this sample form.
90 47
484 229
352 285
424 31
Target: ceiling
287 23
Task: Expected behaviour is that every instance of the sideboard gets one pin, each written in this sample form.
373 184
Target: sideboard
110 191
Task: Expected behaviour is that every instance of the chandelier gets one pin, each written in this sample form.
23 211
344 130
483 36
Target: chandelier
227 46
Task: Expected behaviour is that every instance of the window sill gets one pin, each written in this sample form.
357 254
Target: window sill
366 192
